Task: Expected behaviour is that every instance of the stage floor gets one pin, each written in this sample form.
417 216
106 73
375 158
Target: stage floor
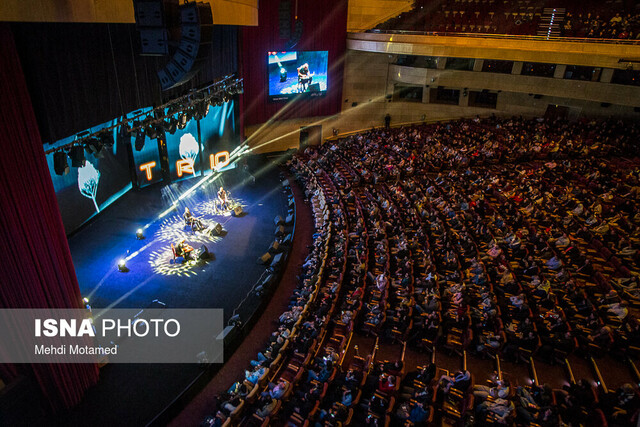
152 276
134 394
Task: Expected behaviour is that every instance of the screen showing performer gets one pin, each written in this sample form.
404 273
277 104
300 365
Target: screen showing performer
297 73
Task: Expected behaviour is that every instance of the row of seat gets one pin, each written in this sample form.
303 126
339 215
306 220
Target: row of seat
432 236
517 18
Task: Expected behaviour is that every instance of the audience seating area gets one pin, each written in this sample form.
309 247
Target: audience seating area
510 240
568 18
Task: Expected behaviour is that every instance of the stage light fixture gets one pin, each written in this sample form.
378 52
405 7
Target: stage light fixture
122 266
76 154
106 137
196 112
161 136
140 139
151 132
60 163
216 100
124 133
205 108
182 120
125 128
95 147
170 125
139 234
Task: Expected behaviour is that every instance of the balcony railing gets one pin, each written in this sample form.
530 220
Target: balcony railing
507 37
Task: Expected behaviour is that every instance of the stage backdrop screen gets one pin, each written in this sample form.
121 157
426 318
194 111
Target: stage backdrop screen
297 74
184 153
220 134
86 190
146 158
197 151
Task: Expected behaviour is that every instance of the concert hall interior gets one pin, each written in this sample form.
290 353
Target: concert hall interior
352 212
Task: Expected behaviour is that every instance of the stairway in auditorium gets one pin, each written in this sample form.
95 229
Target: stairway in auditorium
551 22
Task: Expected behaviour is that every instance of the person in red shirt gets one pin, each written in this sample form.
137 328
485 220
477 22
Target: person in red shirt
386 383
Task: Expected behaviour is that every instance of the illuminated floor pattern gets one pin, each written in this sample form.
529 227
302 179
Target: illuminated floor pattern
162 262
172 230
210 207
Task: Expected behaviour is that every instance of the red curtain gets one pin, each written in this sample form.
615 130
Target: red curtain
324 28
36 270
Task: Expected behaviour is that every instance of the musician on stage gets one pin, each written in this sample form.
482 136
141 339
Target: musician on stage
185 250
191 220
223 199
304 77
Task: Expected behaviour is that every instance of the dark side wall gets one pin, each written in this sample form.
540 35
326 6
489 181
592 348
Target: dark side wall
81 75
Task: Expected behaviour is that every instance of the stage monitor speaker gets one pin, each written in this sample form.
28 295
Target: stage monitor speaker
279 231
277 260
264 259
275 247
215 229
289 219
278 220
237 211
204 253
315 87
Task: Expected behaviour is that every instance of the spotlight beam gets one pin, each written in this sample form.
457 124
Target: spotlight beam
234 157
293 132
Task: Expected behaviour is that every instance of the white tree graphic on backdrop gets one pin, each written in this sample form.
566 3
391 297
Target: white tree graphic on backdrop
189 148
88 178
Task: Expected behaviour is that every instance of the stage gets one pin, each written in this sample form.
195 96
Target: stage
290 85
135 394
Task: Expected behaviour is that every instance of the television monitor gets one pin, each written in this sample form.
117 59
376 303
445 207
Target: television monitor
297 73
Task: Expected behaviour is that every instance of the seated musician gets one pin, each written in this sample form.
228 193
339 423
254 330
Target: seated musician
183 249
191 220
223 199
304 77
